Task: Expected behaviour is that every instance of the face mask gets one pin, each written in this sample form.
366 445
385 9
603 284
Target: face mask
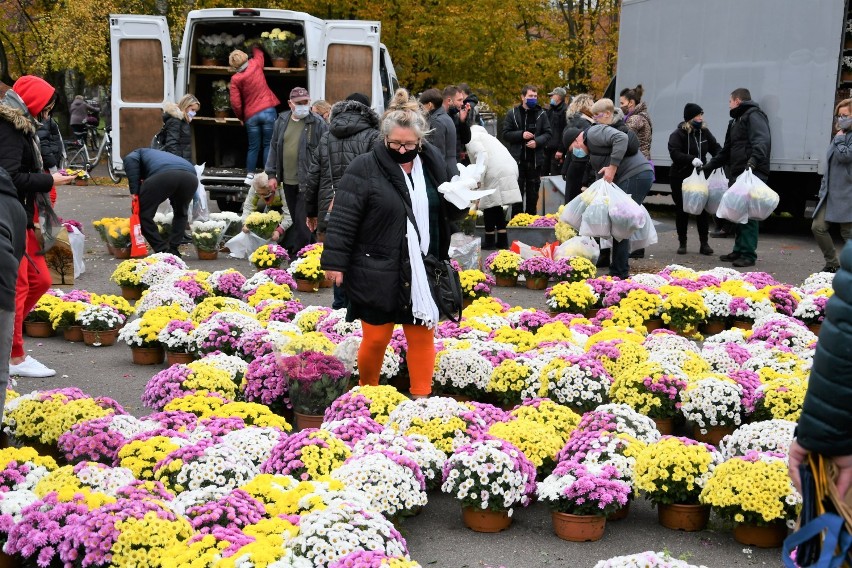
403 157
697 125
844 123
191 114
625 110
531 102
579 153
553 102
301 111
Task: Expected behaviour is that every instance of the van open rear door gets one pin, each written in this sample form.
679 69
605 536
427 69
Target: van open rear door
142 80
350 61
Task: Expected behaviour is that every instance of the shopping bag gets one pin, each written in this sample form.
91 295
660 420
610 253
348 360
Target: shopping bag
573 211
77 241
200 211
137 241
60 260
526 251
762 199
586 247
695 193
625 215
734 204
646 235
717 185
244 244
466 250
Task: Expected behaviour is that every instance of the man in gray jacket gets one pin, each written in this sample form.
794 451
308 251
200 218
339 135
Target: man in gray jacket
606 148
443 130
295 137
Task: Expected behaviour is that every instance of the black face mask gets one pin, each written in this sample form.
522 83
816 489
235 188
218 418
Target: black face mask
403 157
697 125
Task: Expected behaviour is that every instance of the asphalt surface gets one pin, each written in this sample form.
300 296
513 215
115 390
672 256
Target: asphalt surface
437 537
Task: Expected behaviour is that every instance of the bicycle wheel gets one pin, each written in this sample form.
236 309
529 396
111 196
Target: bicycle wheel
113 175
78 157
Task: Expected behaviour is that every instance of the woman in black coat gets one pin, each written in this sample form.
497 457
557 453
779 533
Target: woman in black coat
373 250
689 145
50 142
176 119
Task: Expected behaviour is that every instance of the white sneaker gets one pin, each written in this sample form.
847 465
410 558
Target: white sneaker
30 368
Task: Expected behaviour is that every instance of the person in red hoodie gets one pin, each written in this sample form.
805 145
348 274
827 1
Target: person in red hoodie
29 101
253 102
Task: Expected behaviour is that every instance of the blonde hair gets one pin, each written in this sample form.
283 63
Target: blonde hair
321 107
404 112
187 101
842 104
602 105
237 58
580 103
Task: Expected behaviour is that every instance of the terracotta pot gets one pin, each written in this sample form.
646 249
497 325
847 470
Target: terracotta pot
307 285
131 293
653 324
304 421
121 253
506 281
209 61
466 302
664 425
687 518
458 397
767 536
592 313
815 327
742 324
110 248
103 338
38 329
714 434
326 283
536 283
485 521
207 254
177 358
220 113
279 62
712 327
621 514
7 561
578 528
81 182
148 355
73 333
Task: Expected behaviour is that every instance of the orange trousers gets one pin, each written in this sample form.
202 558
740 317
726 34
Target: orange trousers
420 355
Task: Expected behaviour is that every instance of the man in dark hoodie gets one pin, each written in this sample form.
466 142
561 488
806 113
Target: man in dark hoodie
554 151
747 145
442 128
353 130
527 131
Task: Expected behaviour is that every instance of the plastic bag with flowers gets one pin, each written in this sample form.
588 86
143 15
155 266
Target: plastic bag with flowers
263 224
269 256
207 235
754 489
392 483
579 489
231 220
675 470
489 475
711 402
585 247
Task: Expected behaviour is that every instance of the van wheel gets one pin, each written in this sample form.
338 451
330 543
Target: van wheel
232 206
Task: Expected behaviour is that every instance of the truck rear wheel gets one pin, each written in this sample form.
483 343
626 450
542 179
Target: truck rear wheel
232 206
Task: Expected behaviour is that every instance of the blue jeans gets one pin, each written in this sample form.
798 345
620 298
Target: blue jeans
636 187
259 129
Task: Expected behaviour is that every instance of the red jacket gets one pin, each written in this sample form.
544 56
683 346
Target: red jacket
249 92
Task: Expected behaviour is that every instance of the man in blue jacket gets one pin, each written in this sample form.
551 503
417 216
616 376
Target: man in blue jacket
155 176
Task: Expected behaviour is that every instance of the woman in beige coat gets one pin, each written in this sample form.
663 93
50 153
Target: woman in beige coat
501 173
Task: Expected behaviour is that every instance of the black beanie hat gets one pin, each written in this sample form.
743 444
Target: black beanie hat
690 111
358 97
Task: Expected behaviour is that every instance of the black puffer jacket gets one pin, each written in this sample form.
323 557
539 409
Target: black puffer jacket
178 133
13 225
747 141
825 425
353 131
367 229
21 157
50 142
687 143
520 120
556 116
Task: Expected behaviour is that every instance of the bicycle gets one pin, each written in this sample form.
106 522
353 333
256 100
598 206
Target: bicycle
78 156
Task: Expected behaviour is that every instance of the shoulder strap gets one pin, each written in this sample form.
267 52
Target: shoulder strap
330 169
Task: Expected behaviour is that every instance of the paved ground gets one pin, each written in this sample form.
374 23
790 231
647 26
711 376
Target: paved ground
436 537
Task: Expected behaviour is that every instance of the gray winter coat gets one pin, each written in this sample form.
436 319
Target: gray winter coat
314 129
353 131
835 191
443 137
608 147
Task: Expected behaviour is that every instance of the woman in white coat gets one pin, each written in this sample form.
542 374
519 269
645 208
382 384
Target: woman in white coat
501 173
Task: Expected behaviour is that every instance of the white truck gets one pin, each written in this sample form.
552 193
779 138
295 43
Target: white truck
788 53
339 57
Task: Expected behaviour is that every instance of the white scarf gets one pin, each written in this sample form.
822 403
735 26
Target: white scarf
423 307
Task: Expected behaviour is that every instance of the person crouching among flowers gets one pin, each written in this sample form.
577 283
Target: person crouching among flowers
375 252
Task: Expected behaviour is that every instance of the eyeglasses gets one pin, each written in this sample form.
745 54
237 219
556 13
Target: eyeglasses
395 146
842 116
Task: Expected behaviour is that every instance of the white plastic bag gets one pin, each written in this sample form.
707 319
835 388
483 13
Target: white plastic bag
695 193
717 185
200 211
762 199
734 204
77 240
644 236
466 250
586 247
595 218
244 244
573 211
625 215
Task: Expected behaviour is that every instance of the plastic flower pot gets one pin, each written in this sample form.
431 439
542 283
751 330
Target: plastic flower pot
279 62
536 283
304 421
664 425
131 293
689 518
761 536
578 528
742 324
653 324
38 329
73 333
178 358
714 434
620 514
712 327
307 285
220 114
326 283
815 327
7 561
121 253
148 355
506 281
207 254
100 338
485 521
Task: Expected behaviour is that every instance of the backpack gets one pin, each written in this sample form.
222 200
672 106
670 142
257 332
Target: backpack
158 142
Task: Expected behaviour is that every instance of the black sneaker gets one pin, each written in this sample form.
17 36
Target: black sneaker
176 252
638 253
705 249
743 262
829 268
730 257
682 248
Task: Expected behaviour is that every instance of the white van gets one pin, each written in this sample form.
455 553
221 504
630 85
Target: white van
339 57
